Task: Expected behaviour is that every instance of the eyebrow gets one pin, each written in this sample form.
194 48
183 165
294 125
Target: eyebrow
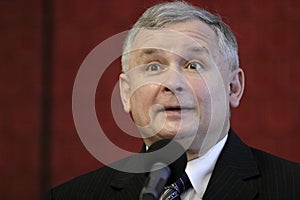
150 51
198 49
153 51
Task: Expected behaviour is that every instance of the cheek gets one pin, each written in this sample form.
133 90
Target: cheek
202 95
141 101
200 91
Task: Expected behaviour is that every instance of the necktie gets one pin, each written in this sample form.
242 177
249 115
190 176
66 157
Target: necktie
173 191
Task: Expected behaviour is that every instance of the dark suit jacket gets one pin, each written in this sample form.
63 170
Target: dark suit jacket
241 172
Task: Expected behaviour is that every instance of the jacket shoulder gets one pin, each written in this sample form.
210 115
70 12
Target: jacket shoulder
268 163
279 177
87 186
104 183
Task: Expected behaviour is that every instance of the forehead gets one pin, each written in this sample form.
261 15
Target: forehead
177 37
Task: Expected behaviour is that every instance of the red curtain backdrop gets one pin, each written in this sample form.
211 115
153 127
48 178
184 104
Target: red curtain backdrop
43 44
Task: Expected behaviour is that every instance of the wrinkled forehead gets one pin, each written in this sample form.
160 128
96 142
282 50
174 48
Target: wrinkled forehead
177 38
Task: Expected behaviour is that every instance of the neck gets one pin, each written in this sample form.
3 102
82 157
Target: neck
191 155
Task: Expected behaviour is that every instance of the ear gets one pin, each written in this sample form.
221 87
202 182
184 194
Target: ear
237 84
124 85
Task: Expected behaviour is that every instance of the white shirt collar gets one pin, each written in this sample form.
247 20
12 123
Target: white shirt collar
199 170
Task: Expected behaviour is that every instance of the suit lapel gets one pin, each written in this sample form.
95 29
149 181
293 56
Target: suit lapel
126 185
234 173
121 179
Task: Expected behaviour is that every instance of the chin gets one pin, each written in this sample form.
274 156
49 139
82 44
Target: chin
167 134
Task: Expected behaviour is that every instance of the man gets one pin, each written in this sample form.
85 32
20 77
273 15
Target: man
180 78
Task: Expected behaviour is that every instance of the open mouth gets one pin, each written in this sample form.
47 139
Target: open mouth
174 109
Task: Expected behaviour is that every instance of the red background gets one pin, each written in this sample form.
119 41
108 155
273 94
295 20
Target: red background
42 49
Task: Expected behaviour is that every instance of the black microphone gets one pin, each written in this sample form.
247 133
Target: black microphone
163 171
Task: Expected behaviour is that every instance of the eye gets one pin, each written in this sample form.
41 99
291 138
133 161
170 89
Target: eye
153 67
194 65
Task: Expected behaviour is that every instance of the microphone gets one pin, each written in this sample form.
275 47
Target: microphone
163 171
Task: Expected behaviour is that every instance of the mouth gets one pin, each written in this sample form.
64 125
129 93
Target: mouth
174 109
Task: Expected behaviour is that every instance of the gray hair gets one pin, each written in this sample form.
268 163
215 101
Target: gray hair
163 14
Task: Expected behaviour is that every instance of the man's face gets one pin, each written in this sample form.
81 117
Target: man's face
178 85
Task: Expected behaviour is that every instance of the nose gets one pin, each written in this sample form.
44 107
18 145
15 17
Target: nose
174 82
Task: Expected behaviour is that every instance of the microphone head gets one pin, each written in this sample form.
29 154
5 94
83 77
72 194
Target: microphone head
170 153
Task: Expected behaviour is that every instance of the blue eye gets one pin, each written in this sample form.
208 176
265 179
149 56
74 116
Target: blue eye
153 67
194 65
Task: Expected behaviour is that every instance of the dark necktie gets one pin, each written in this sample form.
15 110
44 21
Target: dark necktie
173 191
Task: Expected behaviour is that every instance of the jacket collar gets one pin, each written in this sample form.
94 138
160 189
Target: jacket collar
234 170
121 178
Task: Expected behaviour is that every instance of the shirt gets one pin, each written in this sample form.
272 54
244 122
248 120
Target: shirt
199 171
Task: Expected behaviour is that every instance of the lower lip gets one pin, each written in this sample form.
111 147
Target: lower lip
176 113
